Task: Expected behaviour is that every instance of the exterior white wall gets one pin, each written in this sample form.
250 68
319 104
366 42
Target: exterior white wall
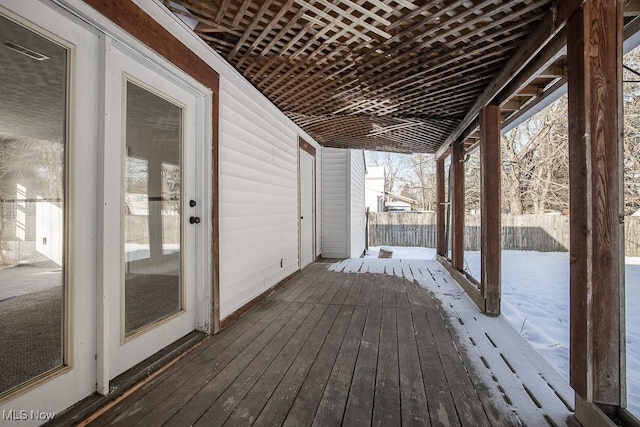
357 206
318 207
258 179
258 198
335 203
343 210
374 188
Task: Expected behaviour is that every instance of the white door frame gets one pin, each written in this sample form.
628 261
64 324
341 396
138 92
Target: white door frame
305 149
204 296
123 66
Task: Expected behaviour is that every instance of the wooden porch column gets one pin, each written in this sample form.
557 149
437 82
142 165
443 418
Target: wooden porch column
441 238
490 238
594 50
457 206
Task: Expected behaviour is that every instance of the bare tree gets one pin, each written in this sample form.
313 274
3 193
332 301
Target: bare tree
394 168
472 182
631 141
420 180
535 163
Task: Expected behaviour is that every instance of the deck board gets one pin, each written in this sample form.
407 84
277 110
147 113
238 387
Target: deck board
216 377
277 407
386 403
286 344
359 407
304 407
249 406
326 348
334 399
442 411
415 410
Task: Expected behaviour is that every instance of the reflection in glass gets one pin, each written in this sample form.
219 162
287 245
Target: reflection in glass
33 86
136 205
170 208
152 206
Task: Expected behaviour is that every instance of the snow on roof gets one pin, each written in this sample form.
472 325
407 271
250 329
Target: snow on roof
400 197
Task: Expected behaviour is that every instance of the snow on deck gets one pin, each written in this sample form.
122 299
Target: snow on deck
518 377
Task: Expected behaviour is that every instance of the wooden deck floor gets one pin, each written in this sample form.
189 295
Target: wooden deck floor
326 349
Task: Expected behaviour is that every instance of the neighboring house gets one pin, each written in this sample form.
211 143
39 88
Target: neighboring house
398 202
398 206
374 188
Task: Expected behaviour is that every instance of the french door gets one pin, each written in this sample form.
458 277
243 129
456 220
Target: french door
49 74
103 181
152 209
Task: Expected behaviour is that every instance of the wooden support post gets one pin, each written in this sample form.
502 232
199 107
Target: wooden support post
441 238
457 207
594 50
490 236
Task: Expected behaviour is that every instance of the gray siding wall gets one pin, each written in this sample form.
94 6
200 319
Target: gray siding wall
357 194
335 203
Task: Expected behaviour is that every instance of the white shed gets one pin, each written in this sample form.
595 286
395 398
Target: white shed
343 203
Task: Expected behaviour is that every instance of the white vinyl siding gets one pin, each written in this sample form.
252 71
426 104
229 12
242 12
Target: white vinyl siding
343 227
358 211
258 197
258 179
335 202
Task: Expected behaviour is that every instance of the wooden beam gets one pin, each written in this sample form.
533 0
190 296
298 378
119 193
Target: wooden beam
457 207
490 236
511 105
551 91
553 72
441 237
632 8
555 49
551 24
597 355
530 90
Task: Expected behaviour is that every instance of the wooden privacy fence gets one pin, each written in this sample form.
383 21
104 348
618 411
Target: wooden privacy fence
543 233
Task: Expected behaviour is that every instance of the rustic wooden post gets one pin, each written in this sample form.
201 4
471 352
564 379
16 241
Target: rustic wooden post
457 207
441 238
594 50
490 236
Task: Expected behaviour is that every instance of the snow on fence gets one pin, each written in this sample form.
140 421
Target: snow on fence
543 233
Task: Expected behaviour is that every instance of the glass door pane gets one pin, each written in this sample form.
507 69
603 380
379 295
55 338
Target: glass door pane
152 209
33 109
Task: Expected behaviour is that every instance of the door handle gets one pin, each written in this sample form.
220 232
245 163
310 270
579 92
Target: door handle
194 220
301 217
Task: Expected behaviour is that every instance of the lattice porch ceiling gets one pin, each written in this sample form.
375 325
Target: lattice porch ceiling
390 75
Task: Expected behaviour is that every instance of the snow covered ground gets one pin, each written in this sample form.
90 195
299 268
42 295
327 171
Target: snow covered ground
535 301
